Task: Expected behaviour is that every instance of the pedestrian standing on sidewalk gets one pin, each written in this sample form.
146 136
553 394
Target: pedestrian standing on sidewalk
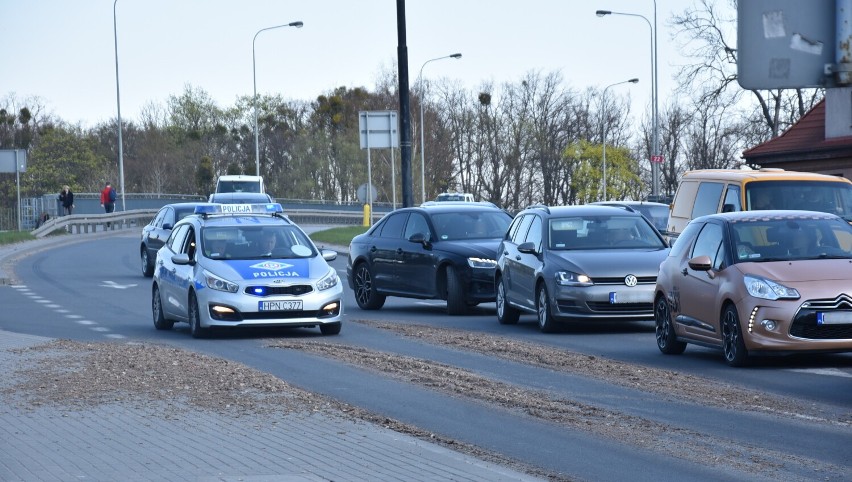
66 198
108 200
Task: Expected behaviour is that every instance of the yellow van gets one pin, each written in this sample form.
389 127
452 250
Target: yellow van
712 191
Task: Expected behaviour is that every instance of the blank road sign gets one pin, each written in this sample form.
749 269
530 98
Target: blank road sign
8 158
382 128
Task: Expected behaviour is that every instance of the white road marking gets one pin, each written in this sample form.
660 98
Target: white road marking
833 372
113 284
86 322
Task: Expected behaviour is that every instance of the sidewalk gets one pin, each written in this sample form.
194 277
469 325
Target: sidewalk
142 440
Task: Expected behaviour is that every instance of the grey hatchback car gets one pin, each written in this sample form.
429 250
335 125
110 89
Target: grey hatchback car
570 263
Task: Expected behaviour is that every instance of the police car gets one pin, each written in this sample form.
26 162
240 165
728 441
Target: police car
238 265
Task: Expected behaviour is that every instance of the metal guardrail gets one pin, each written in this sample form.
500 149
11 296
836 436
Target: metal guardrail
92 223
135 219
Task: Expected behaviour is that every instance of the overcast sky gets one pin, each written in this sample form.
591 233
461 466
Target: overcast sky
62 51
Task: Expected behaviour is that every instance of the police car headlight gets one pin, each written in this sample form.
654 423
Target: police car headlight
481 262
216 283
330 281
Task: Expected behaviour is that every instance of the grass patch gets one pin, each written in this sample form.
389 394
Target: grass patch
9 237
340 236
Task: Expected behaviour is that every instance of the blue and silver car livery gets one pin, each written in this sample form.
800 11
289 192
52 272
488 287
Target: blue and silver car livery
244 265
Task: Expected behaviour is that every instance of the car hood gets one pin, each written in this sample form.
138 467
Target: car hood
476 248
800 270
612 263
269 270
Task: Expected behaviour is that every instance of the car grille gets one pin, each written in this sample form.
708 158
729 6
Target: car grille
294 290
605 307
643 280
805 322
278 315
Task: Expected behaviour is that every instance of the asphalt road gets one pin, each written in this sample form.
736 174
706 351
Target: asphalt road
94 291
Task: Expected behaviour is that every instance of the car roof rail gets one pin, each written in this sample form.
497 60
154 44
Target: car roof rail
539 206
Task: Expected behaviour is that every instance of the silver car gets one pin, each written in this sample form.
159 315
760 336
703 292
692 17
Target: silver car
570 263
244 265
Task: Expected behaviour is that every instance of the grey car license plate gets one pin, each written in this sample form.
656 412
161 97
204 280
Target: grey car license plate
644 296
279 305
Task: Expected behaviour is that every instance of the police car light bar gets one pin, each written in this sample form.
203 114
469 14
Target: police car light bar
271 208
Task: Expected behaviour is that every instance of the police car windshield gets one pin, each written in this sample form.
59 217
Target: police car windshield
255 242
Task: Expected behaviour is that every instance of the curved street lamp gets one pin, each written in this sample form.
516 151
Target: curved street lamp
603 127
422 136
655 139
254 101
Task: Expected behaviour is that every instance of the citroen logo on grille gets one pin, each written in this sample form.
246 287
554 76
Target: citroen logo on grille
630 280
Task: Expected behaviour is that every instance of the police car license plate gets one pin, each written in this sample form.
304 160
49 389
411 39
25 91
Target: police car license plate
279 305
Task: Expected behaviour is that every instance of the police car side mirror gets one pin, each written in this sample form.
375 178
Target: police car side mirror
329 255
182 259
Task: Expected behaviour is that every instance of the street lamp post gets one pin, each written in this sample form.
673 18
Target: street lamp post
655 139
254 77
118 105
422 133
603 127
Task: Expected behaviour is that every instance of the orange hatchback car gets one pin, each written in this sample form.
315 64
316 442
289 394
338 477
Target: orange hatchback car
757 283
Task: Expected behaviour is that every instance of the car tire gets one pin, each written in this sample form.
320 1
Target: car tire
330 328
733 345
506 315
160 321
365 289
546 323
147 263
666 338
456 304
195 328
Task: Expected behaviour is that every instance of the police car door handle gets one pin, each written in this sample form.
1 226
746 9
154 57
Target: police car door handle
372 249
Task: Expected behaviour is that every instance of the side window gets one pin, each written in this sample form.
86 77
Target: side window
393 225
158 219
190 244
521 232
534 234
684 241
513 228
169 217
683 202
417 224
732 199
177 238
709 243
707 199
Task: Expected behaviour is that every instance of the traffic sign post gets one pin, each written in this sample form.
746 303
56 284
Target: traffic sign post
378 129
